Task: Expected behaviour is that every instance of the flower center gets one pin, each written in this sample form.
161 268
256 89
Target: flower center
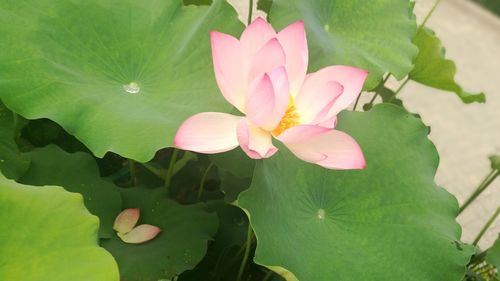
290 119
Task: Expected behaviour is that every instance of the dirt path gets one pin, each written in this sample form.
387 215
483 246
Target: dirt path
465 135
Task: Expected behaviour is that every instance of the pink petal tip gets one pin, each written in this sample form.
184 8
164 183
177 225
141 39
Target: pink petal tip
126 220
140 234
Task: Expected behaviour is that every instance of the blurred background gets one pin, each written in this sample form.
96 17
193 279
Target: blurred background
464 134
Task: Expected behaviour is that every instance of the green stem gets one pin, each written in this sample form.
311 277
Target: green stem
248 245
219 262
385 79
373 99
478 259
356 103
17 129
376 93
250 11
238 254
133 173
428 16
486 226
170 171
203 179
399 89
153 170
15 119
482 187
268 275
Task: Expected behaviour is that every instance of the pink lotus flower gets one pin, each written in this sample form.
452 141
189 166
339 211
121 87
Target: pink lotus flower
264 76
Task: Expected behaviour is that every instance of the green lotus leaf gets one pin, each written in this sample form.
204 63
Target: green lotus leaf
235 161
224 253
264 5
197 2
47 234
233 225
434 70
387 222
120 75
232 185
181 244
77 172
235 170
42 132
388 95
12 163
374 35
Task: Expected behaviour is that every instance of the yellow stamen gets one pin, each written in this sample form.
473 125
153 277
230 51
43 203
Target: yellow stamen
290 119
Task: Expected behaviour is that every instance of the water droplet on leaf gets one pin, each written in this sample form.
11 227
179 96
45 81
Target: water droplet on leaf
321 214
132 88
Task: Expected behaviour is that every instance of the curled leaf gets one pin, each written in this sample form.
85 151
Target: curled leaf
434 70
